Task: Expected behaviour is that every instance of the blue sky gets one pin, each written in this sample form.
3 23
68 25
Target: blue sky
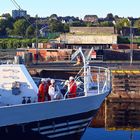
77 8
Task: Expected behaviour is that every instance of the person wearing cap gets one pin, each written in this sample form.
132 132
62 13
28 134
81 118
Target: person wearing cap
79 61
65 87
41 91
48 83
54 91
72 87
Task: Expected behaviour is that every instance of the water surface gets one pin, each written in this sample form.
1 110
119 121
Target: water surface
102 134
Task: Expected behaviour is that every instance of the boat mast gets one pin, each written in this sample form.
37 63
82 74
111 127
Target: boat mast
85 71
85 67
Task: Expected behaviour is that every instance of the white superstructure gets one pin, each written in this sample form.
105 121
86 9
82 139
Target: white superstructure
15 85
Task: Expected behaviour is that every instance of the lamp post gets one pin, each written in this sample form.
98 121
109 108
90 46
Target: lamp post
131 43
36 41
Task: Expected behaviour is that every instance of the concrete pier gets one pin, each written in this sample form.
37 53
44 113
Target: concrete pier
120 110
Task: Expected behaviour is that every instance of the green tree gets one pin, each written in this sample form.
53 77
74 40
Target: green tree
30 31
77 24
89 24
66 27
53 16
110 16
55 26
9 31
2 27
137 25
20 27
124 22
5 23
106 24
7 15
10 22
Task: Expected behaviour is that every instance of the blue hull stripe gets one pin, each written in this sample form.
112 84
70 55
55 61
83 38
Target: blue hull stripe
63 126
69 127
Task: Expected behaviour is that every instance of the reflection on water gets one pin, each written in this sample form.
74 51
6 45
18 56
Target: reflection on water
102 134
122 115
120 119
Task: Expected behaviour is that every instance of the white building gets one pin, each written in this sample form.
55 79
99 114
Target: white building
19 13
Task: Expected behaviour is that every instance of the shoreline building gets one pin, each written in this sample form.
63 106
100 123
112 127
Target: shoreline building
96 37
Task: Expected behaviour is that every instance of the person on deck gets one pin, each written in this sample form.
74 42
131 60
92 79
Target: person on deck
72 87
48 83
41 91
54 91
79 61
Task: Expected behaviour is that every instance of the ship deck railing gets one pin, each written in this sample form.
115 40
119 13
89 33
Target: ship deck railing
98 80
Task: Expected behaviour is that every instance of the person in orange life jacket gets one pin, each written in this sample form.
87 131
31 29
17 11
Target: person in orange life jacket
72 87
54 91
48 83
41 91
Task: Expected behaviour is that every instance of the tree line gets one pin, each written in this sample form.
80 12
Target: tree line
26 28
21 32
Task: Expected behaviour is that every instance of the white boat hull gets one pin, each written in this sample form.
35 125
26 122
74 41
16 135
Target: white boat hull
57 119
54 119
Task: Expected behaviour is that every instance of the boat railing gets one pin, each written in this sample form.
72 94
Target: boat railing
80 87
101 78
96 79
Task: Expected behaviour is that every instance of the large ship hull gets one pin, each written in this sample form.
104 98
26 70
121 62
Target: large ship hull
62 119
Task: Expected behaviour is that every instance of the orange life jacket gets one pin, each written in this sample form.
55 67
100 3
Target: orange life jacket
41 93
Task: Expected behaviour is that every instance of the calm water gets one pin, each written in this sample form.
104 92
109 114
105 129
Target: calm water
102 134
123 118
90 134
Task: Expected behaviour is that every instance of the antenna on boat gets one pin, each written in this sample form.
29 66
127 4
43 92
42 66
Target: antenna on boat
88 58
85 62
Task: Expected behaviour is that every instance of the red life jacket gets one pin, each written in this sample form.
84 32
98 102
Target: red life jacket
72 90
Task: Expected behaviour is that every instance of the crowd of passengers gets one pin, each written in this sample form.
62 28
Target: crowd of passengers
48 90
